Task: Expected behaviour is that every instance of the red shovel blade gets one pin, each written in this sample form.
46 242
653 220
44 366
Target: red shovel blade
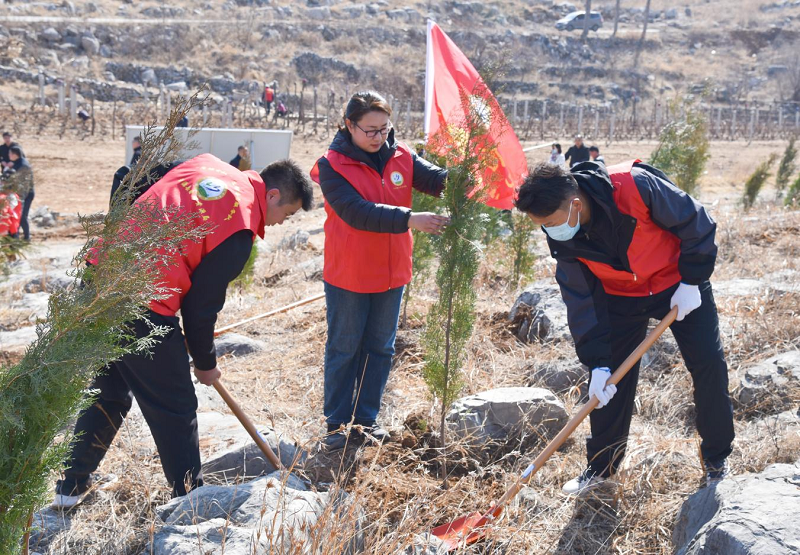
465 530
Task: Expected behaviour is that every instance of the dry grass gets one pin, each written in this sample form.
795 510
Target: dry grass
397 485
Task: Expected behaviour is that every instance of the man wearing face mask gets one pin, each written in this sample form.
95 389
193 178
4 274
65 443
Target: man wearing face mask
629 246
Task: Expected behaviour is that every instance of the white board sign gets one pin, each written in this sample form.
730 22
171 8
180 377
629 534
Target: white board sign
265 145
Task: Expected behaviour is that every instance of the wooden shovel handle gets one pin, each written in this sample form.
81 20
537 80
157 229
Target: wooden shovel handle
248 425
286 308
575 421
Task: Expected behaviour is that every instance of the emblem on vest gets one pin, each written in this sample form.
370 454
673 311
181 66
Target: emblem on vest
397 179
210 188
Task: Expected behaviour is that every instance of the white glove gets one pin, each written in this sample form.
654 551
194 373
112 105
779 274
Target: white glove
598 387
686 298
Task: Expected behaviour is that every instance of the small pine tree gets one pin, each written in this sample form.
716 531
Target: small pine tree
451 318
793 196
496 224
756 181
85 329
521 241
423 252
786 168
683 146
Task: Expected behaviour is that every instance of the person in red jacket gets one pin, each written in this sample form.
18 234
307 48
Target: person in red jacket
629 246
238 205
366 178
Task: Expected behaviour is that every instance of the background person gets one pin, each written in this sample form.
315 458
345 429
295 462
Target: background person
626 253
577 153
20 179
269 97
366 178
136 143
5 149
556 158
238 205
594 154
242 159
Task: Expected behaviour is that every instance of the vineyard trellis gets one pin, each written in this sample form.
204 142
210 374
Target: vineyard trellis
316 110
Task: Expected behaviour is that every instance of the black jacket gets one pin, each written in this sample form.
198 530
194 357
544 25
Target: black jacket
144 183
20 177
5 150
606 239
137 153
576 155
360 213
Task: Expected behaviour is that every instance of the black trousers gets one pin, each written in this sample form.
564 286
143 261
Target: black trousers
163 388
23 222
700 345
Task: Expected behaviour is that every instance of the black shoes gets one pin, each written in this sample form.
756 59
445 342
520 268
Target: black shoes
716 472
376 433
339 436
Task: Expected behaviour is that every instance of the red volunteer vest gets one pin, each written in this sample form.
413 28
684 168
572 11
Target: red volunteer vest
10 213
364 261
220 194
653 252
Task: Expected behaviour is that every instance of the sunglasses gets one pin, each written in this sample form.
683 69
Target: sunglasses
375 132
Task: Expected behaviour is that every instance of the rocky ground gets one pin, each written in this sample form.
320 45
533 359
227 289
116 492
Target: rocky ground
521 386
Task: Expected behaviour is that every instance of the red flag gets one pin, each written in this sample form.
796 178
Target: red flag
453 88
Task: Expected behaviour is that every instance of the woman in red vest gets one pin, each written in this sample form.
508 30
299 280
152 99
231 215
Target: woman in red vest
366 178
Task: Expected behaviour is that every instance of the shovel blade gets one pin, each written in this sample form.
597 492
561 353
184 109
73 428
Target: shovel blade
465 530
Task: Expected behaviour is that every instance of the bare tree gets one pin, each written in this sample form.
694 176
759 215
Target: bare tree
644 33
616 19
586 17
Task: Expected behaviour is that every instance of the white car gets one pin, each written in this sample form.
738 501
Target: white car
575 21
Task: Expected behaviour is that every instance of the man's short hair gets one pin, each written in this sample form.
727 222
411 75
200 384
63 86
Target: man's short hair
293 183
241 148
594 149
545 190
6 134
137 139
17 151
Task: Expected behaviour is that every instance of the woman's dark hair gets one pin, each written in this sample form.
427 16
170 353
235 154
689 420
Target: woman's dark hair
545 190
16 151
558 147
362 103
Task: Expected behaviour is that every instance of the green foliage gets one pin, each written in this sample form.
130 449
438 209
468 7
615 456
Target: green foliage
245 279
521 243
786 167
451 318
793 196
11 248
85 329
423 253
496 223
756 181
683 146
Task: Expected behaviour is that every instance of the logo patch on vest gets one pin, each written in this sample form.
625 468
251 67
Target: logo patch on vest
397 179
210 188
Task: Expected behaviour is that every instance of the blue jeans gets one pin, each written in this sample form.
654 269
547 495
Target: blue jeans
358 354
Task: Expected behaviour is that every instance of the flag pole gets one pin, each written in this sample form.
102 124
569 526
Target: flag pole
426 125
528 149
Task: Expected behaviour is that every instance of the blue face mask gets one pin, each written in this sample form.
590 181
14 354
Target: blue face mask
563 232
